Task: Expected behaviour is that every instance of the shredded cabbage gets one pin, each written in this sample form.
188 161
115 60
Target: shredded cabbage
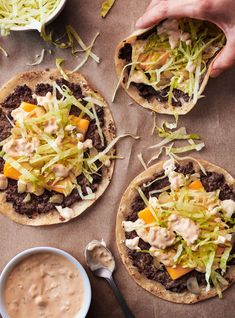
4 51
179 134
224 259
25 13
39 58
209 263
106 7
178 253
141 159
58 63
170 134
70 40
109 147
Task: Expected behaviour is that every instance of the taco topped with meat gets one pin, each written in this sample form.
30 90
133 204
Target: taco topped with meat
175 228
56 157
166 67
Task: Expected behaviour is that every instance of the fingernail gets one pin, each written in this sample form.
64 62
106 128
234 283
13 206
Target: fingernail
215 72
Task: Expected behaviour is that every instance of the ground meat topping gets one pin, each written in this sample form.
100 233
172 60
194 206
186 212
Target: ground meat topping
186 169
216 181
40 204
93 133
5 126
144 263
125 53
21 94
212 180
75 88
148 92
42 89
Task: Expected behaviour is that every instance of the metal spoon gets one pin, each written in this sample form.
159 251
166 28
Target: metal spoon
104 269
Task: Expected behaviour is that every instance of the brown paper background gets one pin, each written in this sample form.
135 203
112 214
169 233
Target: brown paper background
213 119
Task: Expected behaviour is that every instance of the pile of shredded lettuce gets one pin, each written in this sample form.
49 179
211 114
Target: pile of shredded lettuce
203 255
25 13
162 65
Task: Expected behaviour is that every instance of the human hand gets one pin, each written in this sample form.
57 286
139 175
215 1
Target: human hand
220 12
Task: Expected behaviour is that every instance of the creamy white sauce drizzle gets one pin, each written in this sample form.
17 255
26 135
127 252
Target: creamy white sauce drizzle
185 227
160 237
228 206
21 147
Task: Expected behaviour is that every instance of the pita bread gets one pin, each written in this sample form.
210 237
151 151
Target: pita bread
154 104
154 287
31 79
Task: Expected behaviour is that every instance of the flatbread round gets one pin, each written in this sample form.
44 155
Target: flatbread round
31 79
154 104
152 286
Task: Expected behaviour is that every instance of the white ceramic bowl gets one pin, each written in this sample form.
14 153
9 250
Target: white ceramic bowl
51 17
19 257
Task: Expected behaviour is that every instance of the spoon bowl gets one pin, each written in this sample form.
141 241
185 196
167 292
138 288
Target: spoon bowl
100 269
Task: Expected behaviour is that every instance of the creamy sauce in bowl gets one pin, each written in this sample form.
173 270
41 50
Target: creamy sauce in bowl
44 285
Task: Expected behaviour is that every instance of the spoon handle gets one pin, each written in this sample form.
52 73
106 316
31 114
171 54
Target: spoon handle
121 300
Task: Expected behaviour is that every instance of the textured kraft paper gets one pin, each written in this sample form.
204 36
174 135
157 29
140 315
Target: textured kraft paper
213 118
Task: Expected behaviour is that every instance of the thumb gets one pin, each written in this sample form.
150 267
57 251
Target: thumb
226 58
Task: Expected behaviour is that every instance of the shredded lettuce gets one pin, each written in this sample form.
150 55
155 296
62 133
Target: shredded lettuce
39 58
98 125
216 283
25 13
224 259
4 51
184 149
106 7
70 40
109 147
141 159
209 263
169 133
58 63
179 134
178 253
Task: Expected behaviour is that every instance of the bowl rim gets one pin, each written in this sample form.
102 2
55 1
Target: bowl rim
50 18
35 250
